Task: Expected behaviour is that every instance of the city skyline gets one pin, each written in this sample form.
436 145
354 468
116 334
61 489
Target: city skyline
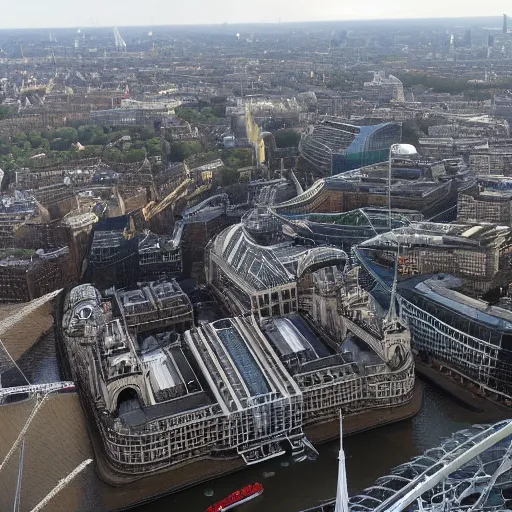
56 13
224 230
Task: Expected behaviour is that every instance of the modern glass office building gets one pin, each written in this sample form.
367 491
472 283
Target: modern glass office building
466 333
335 147
463 333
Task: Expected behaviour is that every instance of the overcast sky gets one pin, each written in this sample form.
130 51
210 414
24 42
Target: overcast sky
63 13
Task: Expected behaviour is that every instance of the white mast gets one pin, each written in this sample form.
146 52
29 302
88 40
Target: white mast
341 493
391 317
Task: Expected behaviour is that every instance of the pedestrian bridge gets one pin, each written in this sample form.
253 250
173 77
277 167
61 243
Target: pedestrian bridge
36 389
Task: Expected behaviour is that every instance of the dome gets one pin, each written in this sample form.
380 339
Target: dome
405 150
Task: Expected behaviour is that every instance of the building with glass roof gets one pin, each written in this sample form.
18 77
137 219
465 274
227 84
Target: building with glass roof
344 229
160 399
229 389
417 183
472 252
262 279
334 146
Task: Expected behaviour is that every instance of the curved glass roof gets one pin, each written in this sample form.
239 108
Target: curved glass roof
264 267
255 264
371 217
477 463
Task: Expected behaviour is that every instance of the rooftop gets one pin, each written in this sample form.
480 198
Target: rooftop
234 345
266 266
291 335
164 298
302 350
431 234
240 366
371 217
441 289
259 266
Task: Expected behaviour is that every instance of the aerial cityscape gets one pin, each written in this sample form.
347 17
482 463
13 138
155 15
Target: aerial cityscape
257 266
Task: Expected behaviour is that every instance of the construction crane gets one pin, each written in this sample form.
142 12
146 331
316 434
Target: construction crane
152 208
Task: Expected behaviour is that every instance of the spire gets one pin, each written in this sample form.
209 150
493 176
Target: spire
341 493
391 316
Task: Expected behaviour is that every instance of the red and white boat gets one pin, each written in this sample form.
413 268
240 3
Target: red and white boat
236 498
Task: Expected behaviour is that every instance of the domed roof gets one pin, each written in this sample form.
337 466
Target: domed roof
405 149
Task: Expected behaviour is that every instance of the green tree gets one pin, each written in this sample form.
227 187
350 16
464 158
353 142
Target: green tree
177 152
36 139
286 138
5 147
45 145
20 138
182 150
411 133
113 155
59 144
154 146
92 151
91 134
147 133
4 112
207 112
63 139
48 134
67 133
187 114
219 110
116 135
228 177
133 155
236 158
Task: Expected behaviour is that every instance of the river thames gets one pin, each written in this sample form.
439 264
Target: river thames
292 486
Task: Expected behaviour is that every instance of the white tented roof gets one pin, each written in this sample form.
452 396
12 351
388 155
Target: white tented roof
405 149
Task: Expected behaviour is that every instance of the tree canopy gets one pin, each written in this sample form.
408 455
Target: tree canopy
286 138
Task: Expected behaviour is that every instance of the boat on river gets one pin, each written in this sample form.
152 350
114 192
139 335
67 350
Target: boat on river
247 493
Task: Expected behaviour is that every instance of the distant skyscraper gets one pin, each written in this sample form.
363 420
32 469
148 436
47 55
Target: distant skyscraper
466 41
505 28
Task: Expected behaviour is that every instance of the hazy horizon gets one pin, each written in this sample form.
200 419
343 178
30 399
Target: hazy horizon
97 13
